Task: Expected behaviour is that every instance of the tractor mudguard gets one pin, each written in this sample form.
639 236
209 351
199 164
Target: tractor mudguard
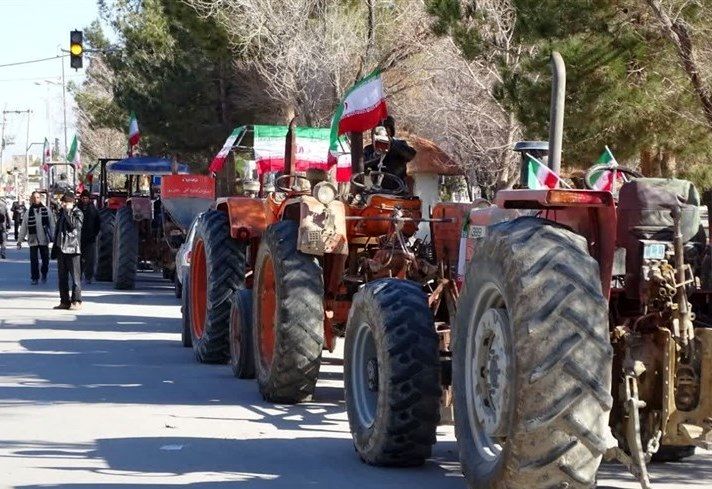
589 213
247 216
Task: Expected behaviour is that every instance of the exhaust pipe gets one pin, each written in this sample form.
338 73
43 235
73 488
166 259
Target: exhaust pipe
556 116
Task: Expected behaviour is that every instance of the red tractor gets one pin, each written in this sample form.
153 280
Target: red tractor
582 330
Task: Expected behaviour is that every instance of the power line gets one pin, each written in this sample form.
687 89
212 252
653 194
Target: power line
34 61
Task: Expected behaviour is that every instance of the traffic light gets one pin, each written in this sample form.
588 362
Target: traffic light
76 49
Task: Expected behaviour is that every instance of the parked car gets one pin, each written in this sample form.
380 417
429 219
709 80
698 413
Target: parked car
183 258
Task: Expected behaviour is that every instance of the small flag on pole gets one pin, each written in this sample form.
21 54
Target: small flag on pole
73 154
539 176
134 133
46 156
606 176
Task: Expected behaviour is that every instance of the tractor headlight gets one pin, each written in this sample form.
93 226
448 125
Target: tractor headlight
325 192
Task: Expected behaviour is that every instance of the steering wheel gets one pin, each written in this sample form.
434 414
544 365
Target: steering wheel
358 181
627 173
287 179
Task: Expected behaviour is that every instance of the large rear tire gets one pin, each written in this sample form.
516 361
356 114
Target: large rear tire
391 374
242 358
217 270
532 360
288 305
105 245
125 261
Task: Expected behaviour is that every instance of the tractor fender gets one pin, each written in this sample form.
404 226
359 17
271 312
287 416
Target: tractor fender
246 215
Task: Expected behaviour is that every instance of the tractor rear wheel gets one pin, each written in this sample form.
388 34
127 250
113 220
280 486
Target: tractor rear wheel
242 359
391 374
105 245
532 360
217 270
125 260
288 305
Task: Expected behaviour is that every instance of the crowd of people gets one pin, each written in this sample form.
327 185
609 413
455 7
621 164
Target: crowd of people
66 233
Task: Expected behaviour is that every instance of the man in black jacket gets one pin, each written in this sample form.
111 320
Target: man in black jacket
90 229
18 210
67 243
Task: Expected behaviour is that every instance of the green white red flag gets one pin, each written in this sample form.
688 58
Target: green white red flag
219 161
46 155
312 148
73 154
604 178
363 107
539 176
134 133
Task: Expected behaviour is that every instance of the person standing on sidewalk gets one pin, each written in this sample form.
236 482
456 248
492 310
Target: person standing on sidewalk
90 229
4 226
67 247
38 228
18 213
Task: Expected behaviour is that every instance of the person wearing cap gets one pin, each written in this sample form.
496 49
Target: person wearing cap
395 160
90 230
67 247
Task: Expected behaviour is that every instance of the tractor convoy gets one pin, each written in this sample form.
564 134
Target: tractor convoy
554 327
144 222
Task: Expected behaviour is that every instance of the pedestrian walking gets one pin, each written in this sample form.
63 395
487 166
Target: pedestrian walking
67 248
18 212
90 229
4 226
38 227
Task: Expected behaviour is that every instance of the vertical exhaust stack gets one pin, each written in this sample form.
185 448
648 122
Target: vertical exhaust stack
290 150
556 116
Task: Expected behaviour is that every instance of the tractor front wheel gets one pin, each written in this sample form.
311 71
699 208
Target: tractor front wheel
391 374
242 359
217 270
288 305
105 245
532 361
125 259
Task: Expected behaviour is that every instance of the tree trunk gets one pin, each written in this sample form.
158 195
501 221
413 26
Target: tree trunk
650 163
668 164
679 35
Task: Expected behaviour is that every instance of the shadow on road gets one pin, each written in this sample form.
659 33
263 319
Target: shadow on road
271 463
133 371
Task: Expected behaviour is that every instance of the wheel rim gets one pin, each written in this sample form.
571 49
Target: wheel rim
268 310
488 370
364 375
198 289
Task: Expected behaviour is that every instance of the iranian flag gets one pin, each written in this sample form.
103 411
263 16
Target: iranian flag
604 178
73 154
312 148
219 161
46 156
363 107
539 176
134 133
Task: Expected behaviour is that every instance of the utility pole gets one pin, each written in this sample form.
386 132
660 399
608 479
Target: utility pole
27 153
64 107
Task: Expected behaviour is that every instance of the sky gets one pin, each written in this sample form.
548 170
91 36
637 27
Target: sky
34 29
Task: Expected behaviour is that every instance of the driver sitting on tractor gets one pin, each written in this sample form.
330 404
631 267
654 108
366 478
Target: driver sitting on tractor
398 155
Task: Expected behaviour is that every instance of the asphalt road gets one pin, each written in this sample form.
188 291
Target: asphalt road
107 397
